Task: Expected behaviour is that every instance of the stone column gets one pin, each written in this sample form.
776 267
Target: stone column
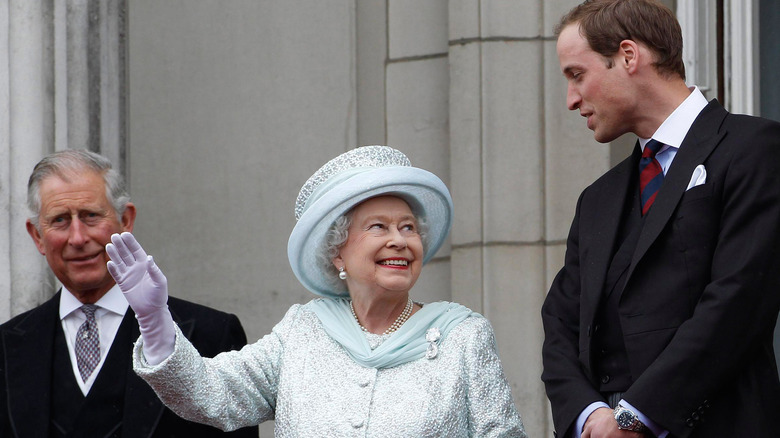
61 86
518 162
416 94
27 117
90 85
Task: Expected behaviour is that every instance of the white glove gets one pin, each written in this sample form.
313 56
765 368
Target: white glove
146 289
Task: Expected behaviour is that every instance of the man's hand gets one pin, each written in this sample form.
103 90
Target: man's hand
144 285
601 424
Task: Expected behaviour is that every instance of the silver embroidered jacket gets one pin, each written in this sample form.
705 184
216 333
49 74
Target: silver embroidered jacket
302 378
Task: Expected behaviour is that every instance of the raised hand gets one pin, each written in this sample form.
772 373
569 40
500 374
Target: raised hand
146 290
136 274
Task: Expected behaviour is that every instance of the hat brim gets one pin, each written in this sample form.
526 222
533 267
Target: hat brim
425 193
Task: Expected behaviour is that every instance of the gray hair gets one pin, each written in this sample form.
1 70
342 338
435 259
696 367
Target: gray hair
72 161
337 236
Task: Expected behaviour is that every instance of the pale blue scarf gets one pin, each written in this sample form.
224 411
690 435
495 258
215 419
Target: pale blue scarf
406 344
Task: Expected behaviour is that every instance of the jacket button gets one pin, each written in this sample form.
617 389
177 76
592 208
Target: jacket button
695 416
605 379
690 423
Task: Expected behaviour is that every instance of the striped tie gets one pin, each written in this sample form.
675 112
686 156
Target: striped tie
650 175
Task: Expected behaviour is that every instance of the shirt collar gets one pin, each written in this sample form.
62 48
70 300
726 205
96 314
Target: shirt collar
673 130
113 301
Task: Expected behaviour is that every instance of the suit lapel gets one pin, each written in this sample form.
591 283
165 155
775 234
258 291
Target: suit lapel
28 351
701 140
605 221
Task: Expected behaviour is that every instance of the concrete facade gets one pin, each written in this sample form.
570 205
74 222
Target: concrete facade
217 112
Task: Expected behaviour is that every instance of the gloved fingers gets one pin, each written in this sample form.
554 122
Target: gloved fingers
112 268
116 260
133 246
120 254
155 273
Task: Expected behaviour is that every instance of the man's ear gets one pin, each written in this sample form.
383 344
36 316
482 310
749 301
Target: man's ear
33 231
629 55
128 217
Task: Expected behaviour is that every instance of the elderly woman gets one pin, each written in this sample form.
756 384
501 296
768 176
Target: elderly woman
363 360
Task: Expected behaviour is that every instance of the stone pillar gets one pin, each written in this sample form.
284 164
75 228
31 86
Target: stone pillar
416 94
90 85
61 85
370 66
27 117
519 160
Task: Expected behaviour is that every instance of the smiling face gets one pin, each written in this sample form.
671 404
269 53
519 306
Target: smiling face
384 251
601 93
76 221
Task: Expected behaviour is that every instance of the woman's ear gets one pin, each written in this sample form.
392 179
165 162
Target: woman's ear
338 262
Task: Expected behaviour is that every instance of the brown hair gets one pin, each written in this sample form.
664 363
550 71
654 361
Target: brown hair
605 23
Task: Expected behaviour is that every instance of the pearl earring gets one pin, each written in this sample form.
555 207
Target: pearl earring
342 274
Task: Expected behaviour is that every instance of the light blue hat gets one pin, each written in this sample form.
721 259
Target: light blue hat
346 181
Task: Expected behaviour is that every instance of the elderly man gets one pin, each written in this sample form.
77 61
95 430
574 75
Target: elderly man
65 367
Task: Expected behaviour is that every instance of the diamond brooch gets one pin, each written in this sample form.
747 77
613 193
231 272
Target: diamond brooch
433 335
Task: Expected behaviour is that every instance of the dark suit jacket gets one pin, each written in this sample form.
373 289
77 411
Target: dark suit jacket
26 372
702 289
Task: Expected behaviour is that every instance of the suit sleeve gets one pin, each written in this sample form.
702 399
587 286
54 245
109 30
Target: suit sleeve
732 322
234 336
567 385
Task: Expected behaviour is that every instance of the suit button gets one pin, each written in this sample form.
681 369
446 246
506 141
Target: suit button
690 423
605 379
695 416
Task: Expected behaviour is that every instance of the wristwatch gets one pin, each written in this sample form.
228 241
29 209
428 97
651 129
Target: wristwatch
627 420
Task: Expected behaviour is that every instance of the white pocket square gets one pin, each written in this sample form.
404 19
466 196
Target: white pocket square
698 178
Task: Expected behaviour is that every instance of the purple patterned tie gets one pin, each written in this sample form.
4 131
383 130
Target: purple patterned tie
88 343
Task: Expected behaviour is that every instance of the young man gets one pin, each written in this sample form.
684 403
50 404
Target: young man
661 321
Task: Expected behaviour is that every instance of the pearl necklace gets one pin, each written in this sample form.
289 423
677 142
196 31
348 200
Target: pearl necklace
396 324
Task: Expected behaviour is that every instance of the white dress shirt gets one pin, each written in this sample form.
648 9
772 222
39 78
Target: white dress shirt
673 130
111 309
